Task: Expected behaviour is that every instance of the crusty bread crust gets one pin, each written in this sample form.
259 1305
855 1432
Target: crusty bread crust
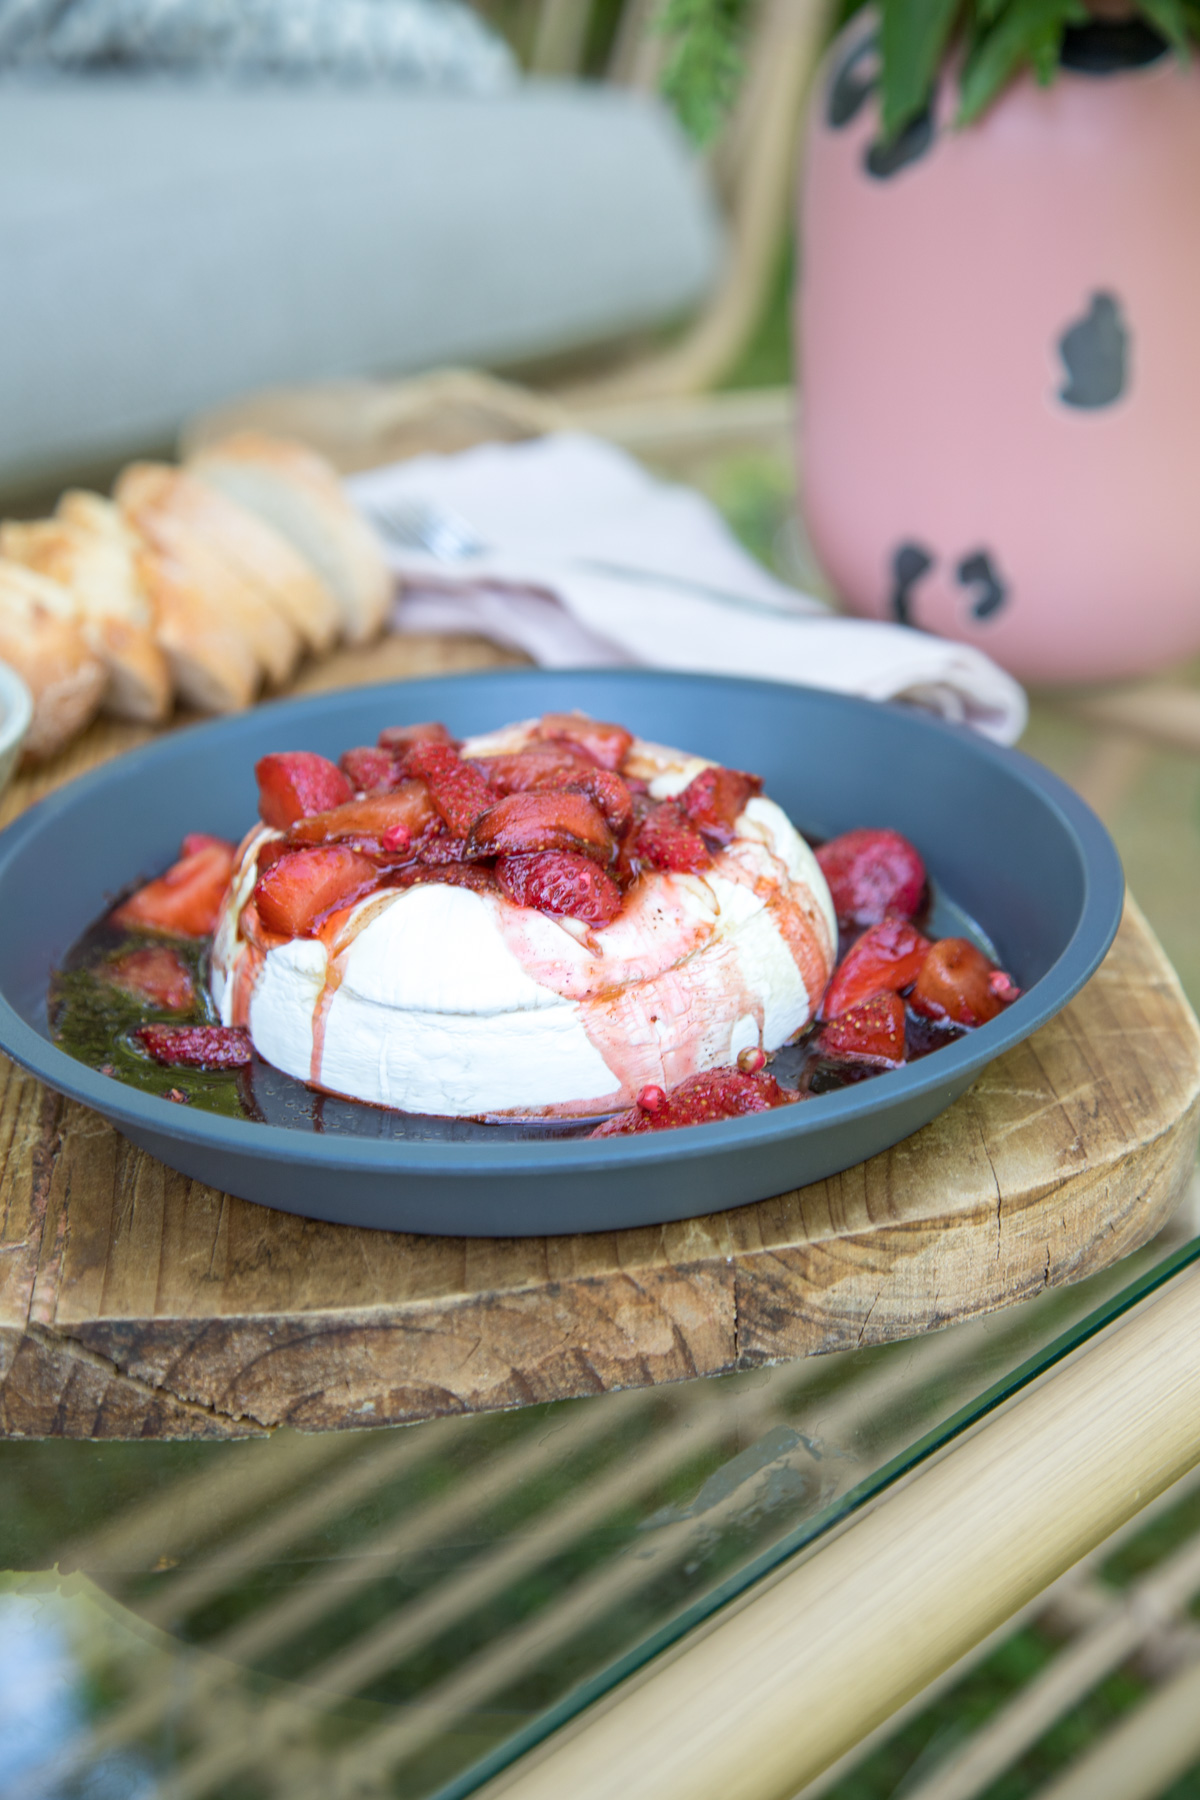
265 557
174 518
298 493
40 639
98 568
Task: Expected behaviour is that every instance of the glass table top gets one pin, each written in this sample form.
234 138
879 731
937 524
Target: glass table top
402 1612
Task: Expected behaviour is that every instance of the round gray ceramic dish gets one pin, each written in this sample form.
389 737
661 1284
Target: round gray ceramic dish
1007 842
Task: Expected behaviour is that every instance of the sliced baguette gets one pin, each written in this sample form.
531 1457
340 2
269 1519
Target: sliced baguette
299 494
42 642
265 556
96 562
180 520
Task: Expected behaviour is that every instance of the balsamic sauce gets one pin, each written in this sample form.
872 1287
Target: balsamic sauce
93 1020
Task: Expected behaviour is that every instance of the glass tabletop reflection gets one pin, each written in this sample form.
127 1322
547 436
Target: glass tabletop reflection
403 1612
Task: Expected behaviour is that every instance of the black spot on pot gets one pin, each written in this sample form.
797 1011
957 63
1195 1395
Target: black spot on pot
976 570
853 82
1095 355
909 563
885 160
1106 46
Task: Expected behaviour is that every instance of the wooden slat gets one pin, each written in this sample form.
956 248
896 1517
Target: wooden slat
777 1687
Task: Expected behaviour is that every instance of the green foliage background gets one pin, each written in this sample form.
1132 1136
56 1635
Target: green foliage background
999 39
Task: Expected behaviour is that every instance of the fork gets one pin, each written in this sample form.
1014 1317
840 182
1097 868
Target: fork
413 523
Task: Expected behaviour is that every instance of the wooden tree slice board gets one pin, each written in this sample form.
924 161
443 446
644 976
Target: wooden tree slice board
137 1303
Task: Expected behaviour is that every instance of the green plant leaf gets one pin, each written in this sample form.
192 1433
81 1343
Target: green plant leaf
704 68
1169 17
1025 32
913 42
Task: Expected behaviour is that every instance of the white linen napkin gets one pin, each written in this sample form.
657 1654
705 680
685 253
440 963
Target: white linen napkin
566 548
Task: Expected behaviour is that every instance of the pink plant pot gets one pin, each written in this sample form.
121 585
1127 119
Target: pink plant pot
999 333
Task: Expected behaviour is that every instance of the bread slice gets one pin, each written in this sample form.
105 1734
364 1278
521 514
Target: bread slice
41 640
92 555
299 494
265 557
198 624
180 519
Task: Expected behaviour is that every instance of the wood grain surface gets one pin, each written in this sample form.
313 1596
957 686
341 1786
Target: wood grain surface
135 1302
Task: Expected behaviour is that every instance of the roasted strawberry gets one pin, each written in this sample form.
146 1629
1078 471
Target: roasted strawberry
870 1032
403 737
667 840
522 771
555 768
609 793
297 783
955 984
203 840
437 846
457 789
715 798
305 886
717 1094
872 873
523 824
369 770
607 745
886 959
156 974
196 1046
186 900
562 883
475 876
387 824
270 852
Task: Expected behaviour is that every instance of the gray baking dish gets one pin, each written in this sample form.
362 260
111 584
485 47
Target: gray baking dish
1005 841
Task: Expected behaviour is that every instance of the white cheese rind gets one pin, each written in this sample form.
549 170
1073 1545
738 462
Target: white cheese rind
282 1006
436 949
460 1063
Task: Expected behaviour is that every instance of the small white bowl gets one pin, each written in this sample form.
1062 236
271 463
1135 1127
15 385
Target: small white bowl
16 712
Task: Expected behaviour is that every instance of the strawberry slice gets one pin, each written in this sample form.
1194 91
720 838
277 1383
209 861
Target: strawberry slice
296 783
521 771
872 873
186 900
562 883
457 788
607 745
871 1032
886 958
561 768
447 874
387 824
716 1094
202 840
523 824
955 984
439 847
196 1046
156 974
667 840
403 737
606 791
370 771
714 800
305 886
